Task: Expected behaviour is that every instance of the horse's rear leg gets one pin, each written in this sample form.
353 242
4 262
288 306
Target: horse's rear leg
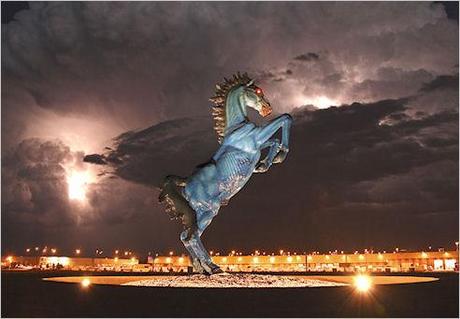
186 239
200 256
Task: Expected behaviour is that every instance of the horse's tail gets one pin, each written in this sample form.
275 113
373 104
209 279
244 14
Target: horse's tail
177 206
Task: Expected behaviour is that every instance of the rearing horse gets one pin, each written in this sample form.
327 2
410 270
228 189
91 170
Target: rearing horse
196 200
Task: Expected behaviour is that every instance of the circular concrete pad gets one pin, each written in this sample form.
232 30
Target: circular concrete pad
240 280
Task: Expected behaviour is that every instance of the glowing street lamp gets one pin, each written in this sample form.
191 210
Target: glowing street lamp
85 283
28 250
363 283
77 251
53 250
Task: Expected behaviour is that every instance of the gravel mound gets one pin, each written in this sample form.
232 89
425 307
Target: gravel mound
227 280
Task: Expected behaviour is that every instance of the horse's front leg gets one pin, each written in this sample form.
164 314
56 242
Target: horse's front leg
284 122
275 147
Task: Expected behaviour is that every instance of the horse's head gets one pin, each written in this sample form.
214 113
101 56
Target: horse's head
231 99
253 96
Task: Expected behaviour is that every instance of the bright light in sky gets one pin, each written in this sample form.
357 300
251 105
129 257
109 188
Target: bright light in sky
77 182
321 102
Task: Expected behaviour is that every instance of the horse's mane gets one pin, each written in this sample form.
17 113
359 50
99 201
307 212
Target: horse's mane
218 110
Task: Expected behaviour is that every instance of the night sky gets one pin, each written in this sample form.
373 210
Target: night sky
372 87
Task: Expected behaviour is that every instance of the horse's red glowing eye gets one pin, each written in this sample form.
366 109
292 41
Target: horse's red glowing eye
259 91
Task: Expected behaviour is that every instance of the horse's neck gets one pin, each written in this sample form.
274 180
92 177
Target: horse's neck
235 112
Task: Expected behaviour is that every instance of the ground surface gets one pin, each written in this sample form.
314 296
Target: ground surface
241 280
27 295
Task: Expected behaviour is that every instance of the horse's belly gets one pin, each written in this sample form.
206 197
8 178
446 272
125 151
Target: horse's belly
234 170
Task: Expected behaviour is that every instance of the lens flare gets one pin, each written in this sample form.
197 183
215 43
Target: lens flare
363 283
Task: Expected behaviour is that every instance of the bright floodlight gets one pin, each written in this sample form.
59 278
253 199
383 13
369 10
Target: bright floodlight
85 283
363 283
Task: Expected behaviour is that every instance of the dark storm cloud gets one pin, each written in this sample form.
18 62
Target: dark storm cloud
310 56
84 72
146 155
34 184
442 81
135 63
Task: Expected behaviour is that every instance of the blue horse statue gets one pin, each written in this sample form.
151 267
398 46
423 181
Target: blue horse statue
196 200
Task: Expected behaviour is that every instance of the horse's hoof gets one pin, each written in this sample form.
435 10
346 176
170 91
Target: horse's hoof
198 268
280 157
217 271
261 167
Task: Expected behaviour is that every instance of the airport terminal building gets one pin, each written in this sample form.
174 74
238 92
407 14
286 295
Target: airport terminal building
370 262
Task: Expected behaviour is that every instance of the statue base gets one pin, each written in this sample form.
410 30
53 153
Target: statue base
227 280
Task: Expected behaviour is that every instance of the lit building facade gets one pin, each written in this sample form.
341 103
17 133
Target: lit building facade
370 262
73 263
380 262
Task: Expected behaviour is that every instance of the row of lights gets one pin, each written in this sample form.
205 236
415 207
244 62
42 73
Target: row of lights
44 250
232 253
290 259
77 251
255 259
283 253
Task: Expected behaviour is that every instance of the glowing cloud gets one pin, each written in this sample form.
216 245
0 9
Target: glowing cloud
77 183
321 101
